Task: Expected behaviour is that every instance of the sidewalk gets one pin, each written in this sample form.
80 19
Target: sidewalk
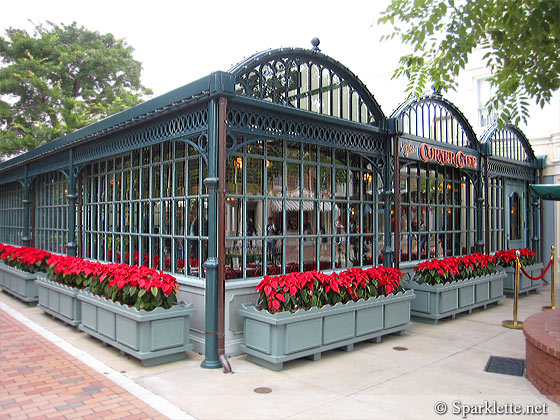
443 362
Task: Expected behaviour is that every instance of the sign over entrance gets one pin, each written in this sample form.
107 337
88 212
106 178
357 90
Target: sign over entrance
411 149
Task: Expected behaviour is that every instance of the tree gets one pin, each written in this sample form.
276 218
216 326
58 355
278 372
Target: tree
520 38
59 79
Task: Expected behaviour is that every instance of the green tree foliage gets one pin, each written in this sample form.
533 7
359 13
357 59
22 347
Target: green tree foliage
520 38
59 79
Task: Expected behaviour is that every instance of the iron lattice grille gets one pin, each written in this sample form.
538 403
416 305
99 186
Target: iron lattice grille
188 123
170 128
437 119
268 125
137 208
438 210
496 220
292 206
51 212
506 143
301 83
11 213
510 170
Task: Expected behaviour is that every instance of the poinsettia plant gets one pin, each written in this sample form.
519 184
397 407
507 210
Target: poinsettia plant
138 286
293 291
24 258
506 258
445 270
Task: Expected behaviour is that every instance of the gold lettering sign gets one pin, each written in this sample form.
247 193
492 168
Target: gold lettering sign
458 159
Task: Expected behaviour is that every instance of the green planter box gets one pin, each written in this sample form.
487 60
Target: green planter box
60 301
154 337
435 302
525 284
272 339
20 284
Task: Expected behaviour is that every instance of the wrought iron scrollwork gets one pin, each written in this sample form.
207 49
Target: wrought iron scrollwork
171 128
267 125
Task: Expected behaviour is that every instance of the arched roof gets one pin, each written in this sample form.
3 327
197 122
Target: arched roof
309 80
509 142
433 117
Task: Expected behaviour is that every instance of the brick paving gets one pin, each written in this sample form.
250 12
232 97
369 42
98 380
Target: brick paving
38 380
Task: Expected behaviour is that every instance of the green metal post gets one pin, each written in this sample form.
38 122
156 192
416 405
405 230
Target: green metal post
26 239
387 195
479 240
71 197
211 360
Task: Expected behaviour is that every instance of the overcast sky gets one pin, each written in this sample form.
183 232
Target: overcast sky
178 42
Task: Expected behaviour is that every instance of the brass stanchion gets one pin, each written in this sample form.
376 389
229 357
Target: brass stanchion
515 324
553 280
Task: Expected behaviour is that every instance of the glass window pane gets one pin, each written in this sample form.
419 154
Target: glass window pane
341 183
293 217
156 216
293 150
292 180
194 176
179 248
310 152
234 175
274 148
309 218
180 178
255 258
355 182
326 182
234 214
274 176
292 255
179 217
309 254
309 181
326 154
325 254
255 218
255 176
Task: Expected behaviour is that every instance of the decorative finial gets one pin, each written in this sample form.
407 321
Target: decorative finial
315 42
436 91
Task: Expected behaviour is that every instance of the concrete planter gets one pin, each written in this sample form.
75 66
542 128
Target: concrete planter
435 302
18 283
154 337
525 284
60 301
272 339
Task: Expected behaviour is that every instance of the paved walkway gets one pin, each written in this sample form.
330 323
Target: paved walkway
50 370
38 380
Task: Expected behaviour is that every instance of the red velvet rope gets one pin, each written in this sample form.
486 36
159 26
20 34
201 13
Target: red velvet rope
539 277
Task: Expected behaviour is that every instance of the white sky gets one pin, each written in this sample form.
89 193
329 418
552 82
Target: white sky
178 42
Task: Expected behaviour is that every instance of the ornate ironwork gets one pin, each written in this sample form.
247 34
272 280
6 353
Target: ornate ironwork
307 80
170 128
511 170
509 143
253 123
435 118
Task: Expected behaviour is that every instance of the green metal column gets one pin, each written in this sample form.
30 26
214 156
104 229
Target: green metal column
479 239
71 197
482 234
211 360
26 238
387 194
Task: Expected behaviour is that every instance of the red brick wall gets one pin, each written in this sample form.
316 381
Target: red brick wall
542 352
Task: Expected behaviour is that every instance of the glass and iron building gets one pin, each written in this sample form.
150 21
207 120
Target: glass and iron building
284 163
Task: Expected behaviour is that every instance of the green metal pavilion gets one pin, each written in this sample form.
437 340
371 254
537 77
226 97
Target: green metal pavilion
284 163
